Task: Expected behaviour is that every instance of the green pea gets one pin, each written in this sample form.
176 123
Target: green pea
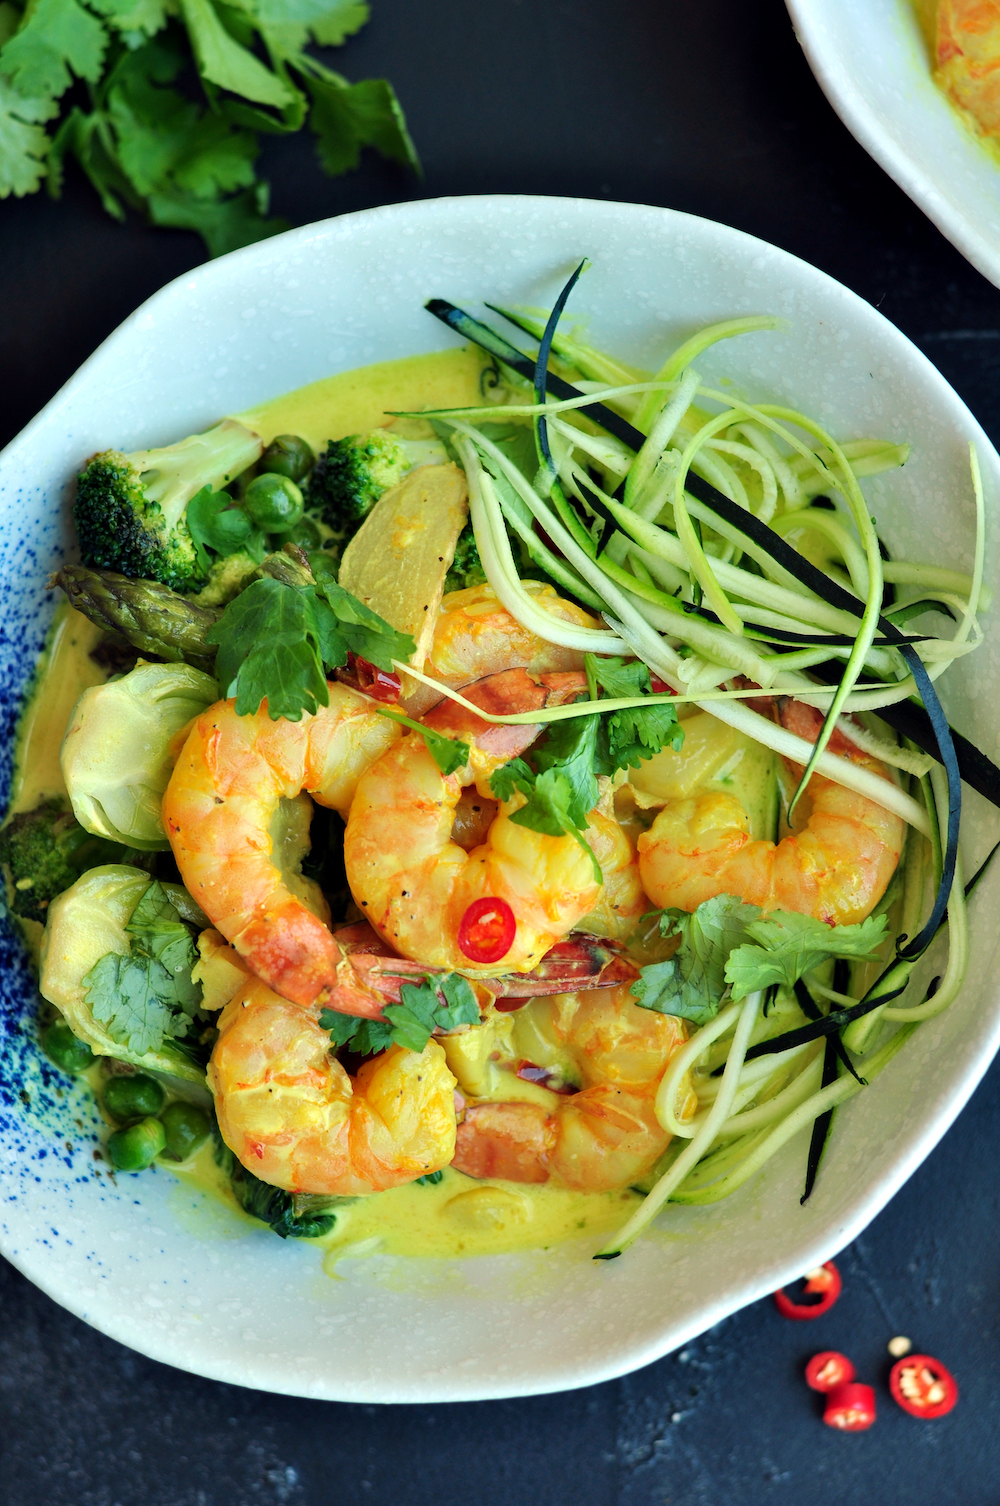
186 1127
305 534
137 1146
288 455
274 503
134 1097
64 1048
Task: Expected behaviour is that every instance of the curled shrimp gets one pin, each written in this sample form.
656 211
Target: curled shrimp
293 1116
967 49
835 866
219 807
475 636
603 1137
416 884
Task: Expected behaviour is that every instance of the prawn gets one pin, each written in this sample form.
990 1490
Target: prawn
218 809
291 1114
968 58
606 1135
419 887
475 636
835 867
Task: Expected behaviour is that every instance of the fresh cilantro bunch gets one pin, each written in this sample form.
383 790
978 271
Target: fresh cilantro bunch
558 779
149 146
442 1002
726 944
276 640
148 995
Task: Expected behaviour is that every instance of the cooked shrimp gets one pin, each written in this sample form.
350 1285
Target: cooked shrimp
415 884
218 810
475 636
605 1136
835 866
290 1113
968 58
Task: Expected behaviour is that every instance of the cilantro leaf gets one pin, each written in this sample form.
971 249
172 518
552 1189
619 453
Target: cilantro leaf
692 983
443 1002
448 753
214 523
269 648
363 631
346 117
634 734
223 61
23 143
147 995
135 18
276 641
365 1037
561 789
55 36
223 224
788 946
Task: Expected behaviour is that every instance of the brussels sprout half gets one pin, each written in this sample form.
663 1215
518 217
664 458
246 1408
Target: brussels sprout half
116 757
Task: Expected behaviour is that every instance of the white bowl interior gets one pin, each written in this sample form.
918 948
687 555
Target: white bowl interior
165 1270
871 61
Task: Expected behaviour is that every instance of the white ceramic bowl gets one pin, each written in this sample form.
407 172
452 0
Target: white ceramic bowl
871 61
175 1276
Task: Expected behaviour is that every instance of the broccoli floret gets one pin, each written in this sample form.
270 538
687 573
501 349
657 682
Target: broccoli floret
227 578
466 568
353 473
130 508
44 852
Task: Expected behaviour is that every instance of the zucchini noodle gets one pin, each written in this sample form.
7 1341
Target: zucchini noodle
704 598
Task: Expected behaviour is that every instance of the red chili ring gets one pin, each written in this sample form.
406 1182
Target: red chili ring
929 1390
825 1279
850 1407
828 1369
487 929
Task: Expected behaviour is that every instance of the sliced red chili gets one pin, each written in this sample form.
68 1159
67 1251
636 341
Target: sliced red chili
660 687
850 1407
922 1386
486 932
828 1369
367 677
824 1281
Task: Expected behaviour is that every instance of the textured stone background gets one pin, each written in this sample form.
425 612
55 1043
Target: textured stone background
708 108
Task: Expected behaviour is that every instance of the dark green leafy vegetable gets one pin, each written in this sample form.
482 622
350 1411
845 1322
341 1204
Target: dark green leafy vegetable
290 1216
148 995
147 146
449 753
443 1002
726 944
276 640
558 778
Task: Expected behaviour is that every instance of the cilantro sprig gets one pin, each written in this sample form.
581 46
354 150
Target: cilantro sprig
727 945
147 995
558 778
276 640
143 144
442 1002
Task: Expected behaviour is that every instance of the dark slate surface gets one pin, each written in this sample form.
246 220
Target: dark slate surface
708 108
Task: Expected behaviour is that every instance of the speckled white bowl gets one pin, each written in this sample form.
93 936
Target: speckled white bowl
154 1265
870 59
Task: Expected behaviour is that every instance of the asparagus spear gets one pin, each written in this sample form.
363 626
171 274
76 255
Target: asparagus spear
153 618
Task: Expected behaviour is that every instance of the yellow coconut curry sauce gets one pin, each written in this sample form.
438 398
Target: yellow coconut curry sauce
458 1215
